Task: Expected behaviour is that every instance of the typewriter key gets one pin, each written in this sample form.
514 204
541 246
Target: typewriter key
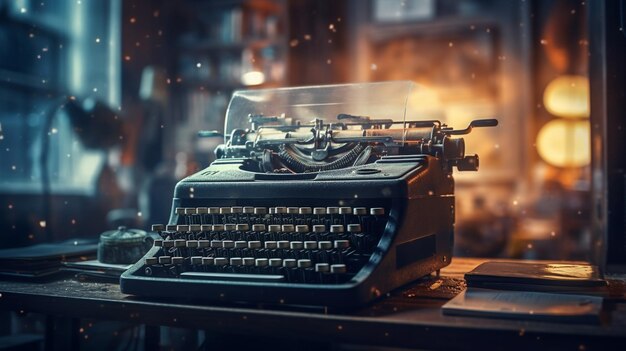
302 228
354 228
336 228
360 211
319 211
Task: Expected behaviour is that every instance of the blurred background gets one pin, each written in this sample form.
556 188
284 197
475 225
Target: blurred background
100 103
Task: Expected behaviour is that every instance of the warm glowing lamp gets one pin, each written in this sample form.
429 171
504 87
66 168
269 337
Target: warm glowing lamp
567 96
253 78
565 143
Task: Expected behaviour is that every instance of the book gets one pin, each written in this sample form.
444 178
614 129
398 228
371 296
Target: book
545 276
525 305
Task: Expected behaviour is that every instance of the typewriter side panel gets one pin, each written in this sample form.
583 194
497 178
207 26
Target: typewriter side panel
420 230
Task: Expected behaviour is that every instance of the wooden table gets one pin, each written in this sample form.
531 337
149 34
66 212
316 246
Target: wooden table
409 318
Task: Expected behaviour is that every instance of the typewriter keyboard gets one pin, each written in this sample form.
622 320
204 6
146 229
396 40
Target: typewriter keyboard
310 245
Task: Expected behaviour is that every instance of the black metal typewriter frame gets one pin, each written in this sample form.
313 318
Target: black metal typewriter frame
434 192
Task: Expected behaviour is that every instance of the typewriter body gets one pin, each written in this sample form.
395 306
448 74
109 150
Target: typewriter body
327 195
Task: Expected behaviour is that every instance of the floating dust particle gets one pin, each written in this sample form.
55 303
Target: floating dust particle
543 42
530 246
293 43
450 44
307 37
42 224
132 20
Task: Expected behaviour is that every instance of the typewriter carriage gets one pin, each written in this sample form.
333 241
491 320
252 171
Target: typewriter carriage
319 128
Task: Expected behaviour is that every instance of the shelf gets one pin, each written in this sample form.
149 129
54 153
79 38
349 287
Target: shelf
210 45
269 6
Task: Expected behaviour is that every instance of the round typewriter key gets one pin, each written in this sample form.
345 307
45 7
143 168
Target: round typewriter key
292 210
359 211
180 210
248 210
325 245
280 210
276 262
240 244
196 260
178 260
203 244
190 211
282 244
157 227
336 228
261 262
260 210
354 228
182 228
248 261
214 210
270 245
254 244
319 210
230 227
228 244
195 227
310 245
296 245
208 261
205 227
224 210
165 259
236 261
304 263
304 210
216 243
288 228
151 260
345 210
202 210
377 211
180 243
342 244
258 227
170 227
243 227
221 261
168 243
192 244
218 227
319 228
158 242
338 268
332 210
302 228
322 267
236 209
274 228
289 263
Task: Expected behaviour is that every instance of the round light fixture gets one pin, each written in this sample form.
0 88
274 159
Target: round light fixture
565 143
567 96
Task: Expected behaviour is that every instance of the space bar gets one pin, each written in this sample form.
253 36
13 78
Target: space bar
266 278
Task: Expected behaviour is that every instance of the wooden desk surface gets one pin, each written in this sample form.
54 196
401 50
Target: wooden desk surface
410 317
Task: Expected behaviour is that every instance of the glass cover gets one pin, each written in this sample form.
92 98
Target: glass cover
396 100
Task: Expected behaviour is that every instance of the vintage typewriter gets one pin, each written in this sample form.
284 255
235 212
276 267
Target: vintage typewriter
321 195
